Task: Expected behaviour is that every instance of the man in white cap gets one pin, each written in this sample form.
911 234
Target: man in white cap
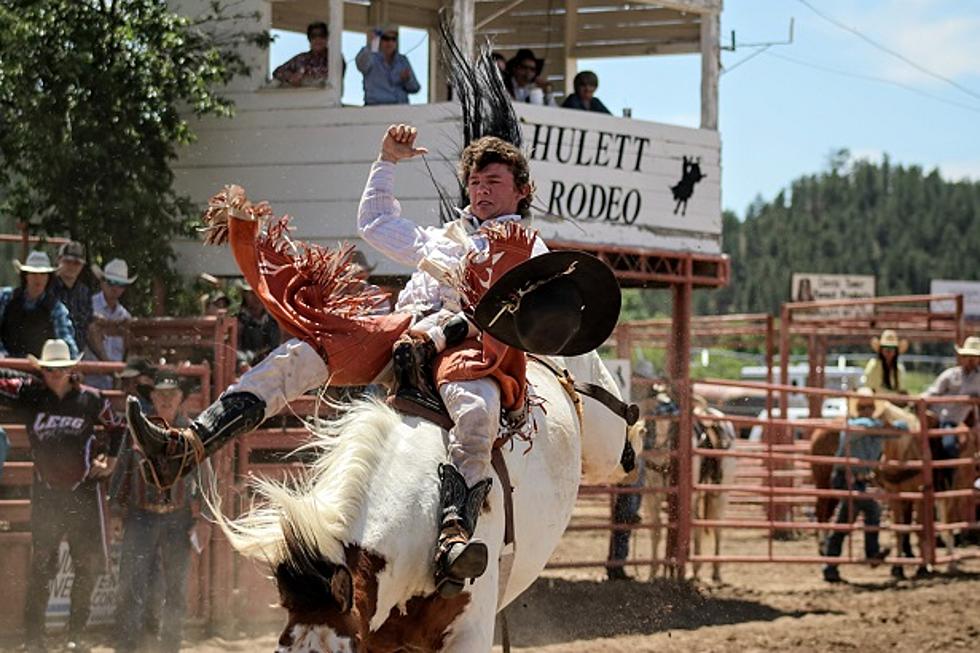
31 314
68 286
963 379
70 457
109 333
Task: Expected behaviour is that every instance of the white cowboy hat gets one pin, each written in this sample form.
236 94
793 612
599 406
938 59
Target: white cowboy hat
889 338
116 272
36 262
971 347
54 354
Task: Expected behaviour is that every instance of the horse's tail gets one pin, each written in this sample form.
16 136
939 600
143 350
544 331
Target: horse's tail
315 509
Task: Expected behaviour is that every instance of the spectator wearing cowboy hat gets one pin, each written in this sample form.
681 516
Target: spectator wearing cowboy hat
70 457
31 314
884 372
109 333
137 379
522 79
388 75
963 379
867 413
159 529
68 286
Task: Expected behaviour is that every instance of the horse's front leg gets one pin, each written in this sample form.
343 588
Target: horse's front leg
700 498
716 513
473 630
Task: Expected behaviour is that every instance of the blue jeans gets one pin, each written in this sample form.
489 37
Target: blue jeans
626 510
4 448
153 544
842 515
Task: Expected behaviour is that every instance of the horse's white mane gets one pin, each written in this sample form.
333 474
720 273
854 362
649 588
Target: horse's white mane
319 507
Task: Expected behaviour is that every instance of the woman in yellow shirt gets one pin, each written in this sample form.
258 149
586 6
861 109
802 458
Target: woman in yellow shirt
884 373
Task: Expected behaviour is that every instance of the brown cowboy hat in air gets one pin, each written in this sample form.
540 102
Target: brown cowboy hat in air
560 303
889 338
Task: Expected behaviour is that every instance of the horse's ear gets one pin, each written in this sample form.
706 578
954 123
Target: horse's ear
342 588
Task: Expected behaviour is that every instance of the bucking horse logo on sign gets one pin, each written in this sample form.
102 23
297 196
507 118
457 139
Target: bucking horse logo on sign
684 189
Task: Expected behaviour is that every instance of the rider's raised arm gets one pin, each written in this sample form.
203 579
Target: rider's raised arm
379 218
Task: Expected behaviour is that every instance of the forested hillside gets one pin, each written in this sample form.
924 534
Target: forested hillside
902 224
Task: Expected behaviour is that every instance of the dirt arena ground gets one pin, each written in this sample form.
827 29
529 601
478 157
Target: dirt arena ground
758 607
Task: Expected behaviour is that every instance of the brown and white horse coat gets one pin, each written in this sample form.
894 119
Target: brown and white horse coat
352 543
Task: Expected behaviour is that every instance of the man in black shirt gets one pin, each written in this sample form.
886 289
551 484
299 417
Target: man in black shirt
70 457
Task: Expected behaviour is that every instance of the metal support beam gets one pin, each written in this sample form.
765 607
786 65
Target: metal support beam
571 35
710 69
464 15
679 504
335 64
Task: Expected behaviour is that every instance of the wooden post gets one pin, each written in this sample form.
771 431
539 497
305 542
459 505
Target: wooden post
710 69
335 63
679 503
464 13
571 33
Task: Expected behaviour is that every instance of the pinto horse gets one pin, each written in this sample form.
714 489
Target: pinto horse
351 544
711 431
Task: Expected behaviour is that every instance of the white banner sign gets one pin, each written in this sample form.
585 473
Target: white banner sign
807 287
969 289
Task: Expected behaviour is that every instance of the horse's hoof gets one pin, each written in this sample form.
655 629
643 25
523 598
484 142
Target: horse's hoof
898 573
467 560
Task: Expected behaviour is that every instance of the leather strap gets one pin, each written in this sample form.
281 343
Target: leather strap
629 412
500 466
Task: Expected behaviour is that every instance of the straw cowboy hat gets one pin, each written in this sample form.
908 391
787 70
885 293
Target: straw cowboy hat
560 303
971 347
852 403
37 262
55 354
889 338
116 272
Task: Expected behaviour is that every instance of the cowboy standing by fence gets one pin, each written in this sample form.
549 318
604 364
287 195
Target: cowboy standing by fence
963 379
70 456
159 530
31 314
864 412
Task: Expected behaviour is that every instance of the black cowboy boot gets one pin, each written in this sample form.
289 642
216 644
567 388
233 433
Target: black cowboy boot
415 391
171 453
458 556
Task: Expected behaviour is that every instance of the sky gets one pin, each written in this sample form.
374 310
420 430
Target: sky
782 111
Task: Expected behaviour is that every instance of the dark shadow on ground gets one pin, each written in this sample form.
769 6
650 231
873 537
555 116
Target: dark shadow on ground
932 578
556 610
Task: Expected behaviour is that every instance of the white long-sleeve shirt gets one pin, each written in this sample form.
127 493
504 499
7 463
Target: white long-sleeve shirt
380 223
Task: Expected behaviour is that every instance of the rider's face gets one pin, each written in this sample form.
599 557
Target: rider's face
493 192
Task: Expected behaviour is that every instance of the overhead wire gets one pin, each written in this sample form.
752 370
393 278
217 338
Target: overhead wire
887 50
872 78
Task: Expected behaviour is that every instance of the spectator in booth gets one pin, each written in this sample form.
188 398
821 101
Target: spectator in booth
69 288
522 79
388 75
31 314
963 379
501 62
584 99
885 373
136 379
159 530
258 332
307 68
863 412
109 332
70 457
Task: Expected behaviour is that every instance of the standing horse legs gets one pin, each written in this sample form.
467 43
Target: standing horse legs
902 515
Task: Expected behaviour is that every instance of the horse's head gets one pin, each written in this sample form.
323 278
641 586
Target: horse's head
604 434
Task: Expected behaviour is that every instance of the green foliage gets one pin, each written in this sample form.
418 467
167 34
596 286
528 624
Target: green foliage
901 224
94 101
